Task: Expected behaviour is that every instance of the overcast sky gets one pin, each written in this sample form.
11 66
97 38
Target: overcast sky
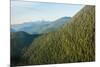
32 11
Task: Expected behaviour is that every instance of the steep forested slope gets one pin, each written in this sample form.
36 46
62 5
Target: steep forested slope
74 42
20 40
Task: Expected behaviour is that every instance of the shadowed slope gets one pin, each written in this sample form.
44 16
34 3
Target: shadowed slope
19 41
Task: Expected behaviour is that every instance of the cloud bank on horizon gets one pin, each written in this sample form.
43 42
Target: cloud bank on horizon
32 11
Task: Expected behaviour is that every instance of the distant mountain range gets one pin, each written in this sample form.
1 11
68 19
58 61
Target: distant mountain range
39 27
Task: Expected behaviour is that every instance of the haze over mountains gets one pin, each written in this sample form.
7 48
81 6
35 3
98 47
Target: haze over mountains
39 27
62 41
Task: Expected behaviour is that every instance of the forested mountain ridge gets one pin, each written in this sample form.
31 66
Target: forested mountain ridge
74 42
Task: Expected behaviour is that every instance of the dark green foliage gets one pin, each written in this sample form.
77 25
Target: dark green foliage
74 42
19 40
